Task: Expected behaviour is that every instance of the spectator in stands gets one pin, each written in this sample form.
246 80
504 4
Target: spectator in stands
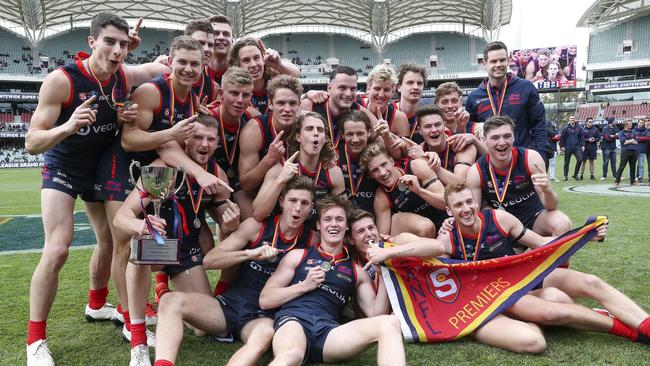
553 137
590 138
644 138
608 146
629 150
571 144
503 93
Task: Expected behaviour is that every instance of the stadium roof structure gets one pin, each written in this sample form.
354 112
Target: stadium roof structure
376 21
603 13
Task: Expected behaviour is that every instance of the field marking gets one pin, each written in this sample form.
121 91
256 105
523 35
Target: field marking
611 190
29 216
30 251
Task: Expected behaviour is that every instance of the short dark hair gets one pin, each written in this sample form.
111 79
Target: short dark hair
332 200
427 110
284 82
493 46
220 19
299 182
357 214
207 121
589 119
341 69
411 67
198 25
355 115
495 122
104 19
185 43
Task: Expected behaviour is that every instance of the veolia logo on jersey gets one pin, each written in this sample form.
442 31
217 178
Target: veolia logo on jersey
443 284
96 129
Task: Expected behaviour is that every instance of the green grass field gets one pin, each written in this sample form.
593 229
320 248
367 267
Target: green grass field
623 260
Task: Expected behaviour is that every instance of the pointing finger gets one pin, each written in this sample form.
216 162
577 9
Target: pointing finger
136 28
88 102
278 136
293 157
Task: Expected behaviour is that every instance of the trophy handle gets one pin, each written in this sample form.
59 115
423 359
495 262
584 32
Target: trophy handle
135 182
182 171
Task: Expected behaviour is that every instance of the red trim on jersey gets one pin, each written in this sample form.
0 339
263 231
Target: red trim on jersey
160 102
304 254
259 236
496 222
526 162
259 123
480 175
72 89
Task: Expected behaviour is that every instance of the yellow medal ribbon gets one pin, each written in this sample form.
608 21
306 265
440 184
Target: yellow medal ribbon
335 139
196 204
500 196
354 188
230 153
277 233
172 97
478 240
503 95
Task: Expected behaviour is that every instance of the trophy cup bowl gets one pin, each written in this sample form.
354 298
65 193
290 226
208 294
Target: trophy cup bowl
158 184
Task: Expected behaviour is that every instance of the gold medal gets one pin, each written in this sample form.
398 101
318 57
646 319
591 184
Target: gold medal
326 266
402 187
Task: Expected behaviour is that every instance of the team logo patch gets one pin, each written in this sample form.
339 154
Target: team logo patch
443 284
514 98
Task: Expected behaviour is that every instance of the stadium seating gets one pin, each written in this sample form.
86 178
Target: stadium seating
14 54
606 45
586 111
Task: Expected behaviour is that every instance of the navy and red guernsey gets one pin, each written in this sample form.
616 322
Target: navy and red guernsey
213 74
447 156
491 241
329 299
408 201
265 122
332 124
358 186
227 152
253 274
521 103
589 132
628 135
260 100
519 195
80 152
571 137
205 88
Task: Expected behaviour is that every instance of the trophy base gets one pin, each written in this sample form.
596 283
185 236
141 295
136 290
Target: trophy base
145 251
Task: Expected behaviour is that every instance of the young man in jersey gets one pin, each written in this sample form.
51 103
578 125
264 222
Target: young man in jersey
407 199
590 138
262 63
357 134
184 225
78 112
411 81
503 93
201 31
262 142
515 179
257 247
311 155
312 286
222 30
449 164
449 100
571 144
379 90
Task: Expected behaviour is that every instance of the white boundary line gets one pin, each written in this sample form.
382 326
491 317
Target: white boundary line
29 251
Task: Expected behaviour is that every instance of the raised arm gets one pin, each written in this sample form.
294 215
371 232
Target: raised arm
251 168
231 252
370 302
382 211
274 182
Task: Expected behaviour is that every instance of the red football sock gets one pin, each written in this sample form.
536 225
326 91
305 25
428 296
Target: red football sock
221 287
119 309
644 327
622 330
97 298
138 334
36 331
163 363
162 277
127 320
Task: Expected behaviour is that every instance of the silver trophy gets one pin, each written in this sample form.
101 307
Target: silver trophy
158 183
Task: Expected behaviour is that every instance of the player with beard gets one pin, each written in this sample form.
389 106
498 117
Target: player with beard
262 63
498 232
312 156
505 94
449 100
202 32
357 133
450 165
407 200
411 81
312 286
380 84
80 107
222 30
590 138
257 247
262 142
514 179
188 275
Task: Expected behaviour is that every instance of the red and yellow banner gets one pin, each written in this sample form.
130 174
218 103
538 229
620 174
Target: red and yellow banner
441 299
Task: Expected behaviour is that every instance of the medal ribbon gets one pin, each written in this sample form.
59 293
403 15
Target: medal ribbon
496 112
276 234
153 232
196 204
112 103
172 98
477 247
354 188
303 171
230 153
500 191
396 182
446 156
335 261
180 220
335 139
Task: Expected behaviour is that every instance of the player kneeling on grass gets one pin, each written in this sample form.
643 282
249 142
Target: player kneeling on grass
312 286
256 248
188 275
550 304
